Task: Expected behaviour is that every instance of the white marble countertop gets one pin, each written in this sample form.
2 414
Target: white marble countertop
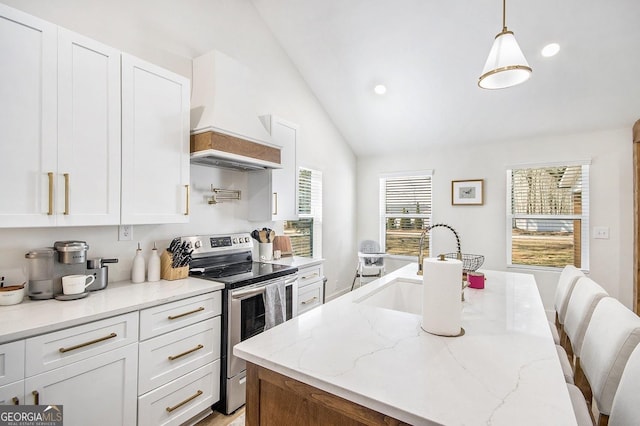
503 371
33 317
297 261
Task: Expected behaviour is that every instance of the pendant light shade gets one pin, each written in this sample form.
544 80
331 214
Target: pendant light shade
506 65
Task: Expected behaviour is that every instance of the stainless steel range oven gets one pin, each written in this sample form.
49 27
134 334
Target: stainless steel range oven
228 259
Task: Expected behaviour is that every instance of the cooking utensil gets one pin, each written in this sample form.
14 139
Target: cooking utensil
263 236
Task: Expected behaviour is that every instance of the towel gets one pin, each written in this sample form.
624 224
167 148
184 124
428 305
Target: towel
275 305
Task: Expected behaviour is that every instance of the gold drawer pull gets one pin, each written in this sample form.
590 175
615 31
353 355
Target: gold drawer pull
66 193
174 357
36 398
313 299
188 199
50 210
172 317
15 400
82 345
307 277
180 404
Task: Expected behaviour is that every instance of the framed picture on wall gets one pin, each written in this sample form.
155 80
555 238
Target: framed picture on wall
467 192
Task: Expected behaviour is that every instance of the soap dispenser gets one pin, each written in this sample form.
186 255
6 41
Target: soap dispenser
137 270
153 271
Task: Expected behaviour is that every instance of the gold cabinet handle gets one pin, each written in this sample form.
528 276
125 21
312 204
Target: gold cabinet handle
172 317
188 199
82 345
313 299
36 398
307 277
174 357
15 400
50 175
180 404
275 203
66 193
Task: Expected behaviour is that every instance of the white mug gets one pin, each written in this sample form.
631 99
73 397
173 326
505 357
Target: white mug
76 284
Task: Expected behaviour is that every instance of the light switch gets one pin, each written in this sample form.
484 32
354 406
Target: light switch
601 232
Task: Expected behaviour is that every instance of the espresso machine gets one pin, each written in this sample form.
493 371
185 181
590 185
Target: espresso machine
47 266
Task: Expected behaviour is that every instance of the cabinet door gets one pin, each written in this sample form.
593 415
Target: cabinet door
27 119
273 194
155 144
12 394
285 180
88 178
100 390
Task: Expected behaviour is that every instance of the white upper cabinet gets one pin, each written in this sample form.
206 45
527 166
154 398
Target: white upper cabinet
28 135
88 178
273 194
59 125
155 144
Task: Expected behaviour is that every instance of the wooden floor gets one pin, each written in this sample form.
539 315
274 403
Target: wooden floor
219 419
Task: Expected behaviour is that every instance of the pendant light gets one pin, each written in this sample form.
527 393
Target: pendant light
506 65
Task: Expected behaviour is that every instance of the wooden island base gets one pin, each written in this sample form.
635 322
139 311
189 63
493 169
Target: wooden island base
274 399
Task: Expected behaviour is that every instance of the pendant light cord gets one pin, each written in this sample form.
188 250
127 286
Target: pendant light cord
504 15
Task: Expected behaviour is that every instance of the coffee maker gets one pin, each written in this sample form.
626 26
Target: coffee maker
47 266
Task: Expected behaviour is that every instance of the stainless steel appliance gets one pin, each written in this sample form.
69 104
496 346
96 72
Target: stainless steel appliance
228 259
47 266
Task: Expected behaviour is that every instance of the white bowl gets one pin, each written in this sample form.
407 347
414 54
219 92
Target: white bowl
11 297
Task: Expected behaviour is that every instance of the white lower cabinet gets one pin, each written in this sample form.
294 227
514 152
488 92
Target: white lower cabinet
181 399
12 373
99 390
179 360
310 287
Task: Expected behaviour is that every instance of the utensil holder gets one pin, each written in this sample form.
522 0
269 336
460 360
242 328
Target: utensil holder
169 273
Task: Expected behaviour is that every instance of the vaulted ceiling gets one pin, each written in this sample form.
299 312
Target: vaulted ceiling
430 53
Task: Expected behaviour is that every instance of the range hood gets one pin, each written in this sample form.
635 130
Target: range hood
226 129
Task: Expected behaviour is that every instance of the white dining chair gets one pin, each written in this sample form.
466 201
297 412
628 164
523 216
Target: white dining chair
566 282
626 403
583 301
612 334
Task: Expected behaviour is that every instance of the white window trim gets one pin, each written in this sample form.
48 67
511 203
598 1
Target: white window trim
584 231
382 215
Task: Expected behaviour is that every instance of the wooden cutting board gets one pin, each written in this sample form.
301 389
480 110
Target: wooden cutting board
283 243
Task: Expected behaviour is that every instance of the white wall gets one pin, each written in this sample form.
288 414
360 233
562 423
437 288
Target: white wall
482 229
235 28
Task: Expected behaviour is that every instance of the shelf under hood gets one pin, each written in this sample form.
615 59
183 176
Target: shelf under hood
216 149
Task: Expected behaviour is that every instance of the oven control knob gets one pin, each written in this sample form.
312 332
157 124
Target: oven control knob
235 241
246 239
197 244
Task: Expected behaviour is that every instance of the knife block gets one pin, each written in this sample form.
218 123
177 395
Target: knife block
169 273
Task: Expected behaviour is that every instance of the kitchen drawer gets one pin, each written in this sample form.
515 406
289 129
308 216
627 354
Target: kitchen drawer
60 348
167 357
12 394
308 275
11 362
309 297
181 399
175 315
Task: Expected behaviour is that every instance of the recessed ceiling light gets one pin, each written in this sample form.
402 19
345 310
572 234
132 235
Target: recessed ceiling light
550 50
380 89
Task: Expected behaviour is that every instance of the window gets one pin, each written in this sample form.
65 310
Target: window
548 215
306 232
405 210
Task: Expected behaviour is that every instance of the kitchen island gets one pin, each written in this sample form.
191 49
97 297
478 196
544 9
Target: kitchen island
353 361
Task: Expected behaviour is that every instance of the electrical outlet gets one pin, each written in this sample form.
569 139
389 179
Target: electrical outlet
125 233
601 232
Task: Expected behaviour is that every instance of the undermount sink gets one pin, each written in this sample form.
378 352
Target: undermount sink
401 294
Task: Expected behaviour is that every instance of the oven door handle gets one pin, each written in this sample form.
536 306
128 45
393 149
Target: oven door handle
243 294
